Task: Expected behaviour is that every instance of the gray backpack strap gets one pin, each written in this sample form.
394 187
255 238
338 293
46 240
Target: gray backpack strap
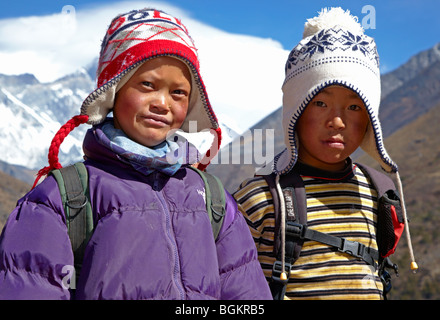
215 200
73 185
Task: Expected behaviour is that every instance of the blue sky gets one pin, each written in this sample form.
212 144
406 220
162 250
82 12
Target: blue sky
243 44
403 27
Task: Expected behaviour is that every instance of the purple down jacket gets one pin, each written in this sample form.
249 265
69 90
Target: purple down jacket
152 240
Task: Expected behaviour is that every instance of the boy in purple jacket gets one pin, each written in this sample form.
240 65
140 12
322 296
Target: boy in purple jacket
152 236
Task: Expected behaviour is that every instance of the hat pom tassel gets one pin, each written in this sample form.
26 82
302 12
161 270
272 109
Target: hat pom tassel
54 148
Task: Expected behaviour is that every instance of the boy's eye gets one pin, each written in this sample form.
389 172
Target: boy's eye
147 84
180 92
319 103
354 107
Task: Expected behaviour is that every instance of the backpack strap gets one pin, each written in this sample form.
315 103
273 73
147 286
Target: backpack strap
296 231
215 200
390 222
73 185
382 183
296 216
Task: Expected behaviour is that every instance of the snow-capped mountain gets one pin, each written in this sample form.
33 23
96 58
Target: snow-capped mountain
32 112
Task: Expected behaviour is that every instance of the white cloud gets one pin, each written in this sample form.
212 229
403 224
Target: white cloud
243 74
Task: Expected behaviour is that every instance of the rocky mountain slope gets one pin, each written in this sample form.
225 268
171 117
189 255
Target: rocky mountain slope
11 189
416 150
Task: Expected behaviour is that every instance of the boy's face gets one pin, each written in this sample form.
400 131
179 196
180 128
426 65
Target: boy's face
153 101
331 128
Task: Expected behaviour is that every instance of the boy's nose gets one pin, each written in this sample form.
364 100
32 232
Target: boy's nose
160 102
336 123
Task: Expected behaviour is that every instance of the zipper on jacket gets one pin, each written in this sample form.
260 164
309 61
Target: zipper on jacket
176 271
156 181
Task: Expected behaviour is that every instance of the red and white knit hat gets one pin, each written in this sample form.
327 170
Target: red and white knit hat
131 39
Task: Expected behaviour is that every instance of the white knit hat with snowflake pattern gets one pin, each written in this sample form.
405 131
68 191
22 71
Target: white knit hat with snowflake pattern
334 51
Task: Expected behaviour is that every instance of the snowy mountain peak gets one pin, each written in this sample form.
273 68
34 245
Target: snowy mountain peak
33 112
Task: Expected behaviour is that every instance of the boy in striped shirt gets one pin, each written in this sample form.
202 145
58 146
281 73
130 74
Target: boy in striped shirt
331 98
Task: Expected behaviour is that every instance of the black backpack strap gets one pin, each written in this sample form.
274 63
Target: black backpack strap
296 213
276 284
297 231
381 182
295 201
387 197
215 200
390 220
73 184
353 248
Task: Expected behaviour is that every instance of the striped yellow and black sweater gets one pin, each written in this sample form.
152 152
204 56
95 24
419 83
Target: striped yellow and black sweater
343 204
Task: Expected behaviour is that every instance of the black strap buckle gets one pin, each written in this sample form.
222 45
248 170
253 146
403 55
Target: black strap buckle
295 230
358 250
277 270
353 248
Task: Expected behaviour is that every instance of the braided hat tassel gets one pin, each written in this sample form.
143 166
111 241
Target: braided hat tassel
54 148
